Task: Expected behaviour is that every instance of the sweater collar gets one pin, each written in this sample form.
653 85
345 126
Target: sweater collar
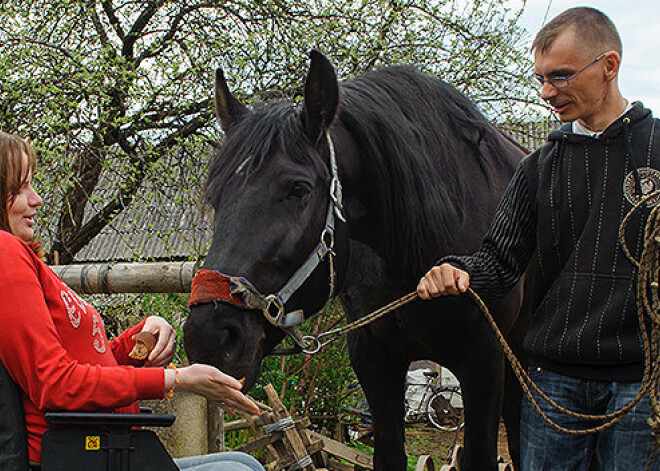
636 114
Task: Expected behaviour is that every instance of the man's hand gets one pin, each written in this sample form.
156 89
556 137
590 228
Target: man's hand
441 280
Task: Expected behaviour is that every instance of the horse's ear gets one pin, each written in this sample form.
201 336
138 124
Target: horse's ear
227 108
321 96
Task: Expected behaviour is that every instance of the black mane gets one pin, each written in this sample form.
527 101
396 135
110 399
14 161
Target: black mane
418 137
413 130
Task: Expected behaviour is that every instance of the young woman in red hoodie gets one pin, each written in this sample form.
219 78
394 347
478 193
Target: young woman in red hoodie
53 343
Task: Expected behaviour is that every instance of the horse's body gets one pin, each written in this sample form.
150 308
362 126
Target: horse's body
422 173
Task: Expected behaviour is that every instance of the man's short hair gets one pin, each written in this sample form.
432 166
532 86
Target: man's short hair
594 29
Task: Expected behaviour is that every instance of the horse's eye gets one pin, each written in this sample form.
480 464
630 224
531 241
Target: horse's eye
300 189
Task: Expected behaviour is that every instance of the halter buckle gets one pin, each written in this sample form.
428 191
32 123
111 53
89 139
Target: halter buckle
274 309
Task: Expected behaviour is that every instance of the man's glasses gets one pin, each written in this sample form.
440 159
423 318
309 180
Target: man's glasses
559 81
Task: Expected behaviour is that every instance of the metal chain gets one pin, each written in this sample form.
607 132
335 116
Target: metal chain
314 344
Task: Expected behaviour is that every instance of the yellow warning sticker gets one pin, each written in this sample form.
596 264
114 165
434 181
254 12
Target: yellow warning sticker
92 442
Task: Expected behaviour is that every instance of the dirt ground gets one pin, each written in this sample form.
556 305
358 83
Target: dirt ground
424 440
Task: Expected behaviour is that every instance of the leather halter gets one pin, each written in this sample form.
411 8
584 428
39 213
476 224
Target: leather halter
214 286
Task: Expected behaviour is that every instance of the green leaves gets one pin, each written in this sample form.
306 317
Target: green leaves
108 89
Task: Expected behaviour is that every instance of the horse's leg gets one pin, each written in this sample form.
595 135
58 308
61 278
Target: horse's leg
482 383
511 415
513 392
382 376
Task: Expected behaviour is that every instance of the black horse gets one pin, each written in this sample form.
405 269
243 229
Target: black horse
422 172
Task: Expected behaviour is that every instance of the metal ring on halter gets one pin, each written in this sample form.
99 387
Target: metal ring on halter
273 300
317 343
329 245
311 344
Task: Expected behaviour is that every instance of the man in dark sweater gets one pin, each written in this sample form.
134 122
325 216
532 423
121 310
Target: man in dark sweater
563 209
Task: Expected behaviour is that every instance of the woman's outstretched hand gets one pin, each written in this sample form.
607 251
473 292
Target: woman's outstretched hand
441 280
210 382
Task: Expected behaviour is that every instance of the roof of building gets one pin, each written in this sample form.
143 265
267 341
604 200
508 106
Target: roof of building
161 224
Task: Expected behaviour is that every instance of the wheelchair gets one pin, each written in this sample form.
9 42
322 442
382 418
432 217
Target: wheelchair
81 441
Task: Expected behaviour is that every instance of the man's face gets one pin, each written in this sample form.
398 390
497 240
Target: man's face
582 99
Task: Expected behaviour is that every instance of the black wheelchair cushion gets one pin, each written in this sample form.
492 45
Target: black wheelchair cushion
103 449
13 434
83 441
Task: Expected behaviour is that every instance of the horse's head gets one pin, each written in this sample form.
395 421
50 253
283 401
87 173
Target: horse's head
277 209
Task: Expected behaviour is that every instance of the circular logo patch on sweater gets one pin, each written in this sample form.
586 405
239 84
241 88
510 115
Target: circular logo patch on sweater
649 179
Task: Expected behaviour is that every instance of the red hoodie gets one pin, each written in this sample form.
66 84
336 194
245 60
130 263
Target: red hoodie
54 346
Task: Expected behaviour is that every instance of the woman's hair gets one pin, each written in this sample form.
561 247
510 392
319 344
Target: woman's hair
12 174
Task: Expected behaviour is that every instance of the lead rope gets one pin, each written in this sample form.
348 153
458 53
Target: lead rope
647 277
648 267
317 343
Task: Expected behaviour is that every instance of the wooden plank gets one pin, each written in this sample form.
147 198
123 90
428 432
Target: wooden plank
154 277
342 451
260 442
293 440
271 452
233 425
337 466
215 427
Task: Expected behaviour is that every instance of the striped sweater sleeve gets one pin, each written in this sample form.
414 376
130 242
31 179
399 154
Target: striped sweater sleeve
506 250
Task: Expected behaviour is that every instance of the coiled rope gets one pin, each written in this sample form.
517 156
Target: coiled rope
648 305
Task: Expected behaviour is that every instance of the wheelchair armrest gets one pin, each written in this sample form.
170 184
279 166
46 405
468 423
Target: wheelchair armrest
109 419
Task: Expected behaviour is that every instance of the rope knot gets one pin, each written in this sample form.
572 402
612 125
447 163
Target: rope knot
654 423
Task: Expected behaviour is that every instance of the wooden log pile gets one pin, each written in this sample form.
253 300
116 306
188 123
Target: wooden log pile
290 444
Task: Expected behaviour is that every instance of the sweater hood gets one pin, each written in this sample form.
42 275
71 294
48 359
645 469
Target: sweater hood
635 115
621 127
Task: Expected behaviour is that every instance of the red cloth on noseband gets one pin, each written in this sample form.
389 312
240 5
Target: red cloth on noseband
209 286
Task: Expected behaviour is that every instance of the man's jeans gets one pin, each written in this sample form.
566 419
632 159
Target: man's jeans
626 446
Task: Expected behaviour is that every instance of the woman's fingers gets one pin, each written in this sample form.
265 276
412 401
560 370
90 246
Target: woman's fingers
217 386
242 403
165 347
164 350
234 399
232 395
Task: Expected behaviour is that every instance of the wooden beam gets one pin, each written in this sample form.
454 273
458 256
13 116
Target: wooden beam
294 444
237 424
152 277
342 451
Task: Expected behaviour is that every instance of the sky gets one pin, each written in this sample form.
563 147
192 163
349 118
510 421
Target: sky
637 22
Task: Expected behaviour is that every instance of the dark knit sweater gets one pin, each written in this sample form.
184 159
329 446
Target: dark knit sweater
563 208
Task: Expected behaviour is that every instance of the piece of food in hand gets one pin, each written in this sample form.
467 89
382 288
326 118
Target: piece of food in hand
144 344
242 380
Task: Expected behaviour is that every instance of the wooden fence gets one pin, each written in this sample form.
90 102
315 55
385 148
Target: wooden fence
152 277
